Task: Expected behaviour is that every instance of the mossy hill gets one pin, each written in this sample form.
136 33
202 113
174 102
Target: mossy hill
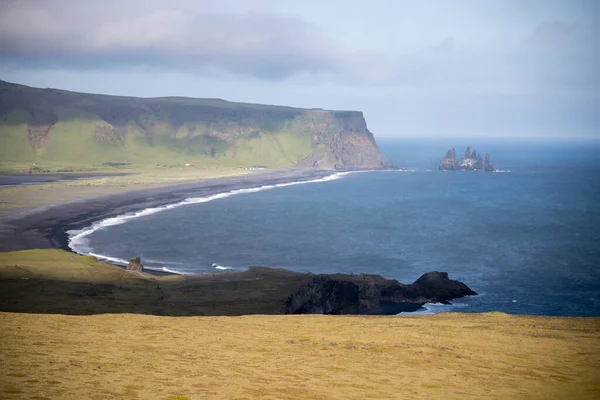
62 127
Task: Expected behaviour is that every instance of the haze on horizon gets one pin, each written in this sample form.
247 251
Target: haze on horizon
512 68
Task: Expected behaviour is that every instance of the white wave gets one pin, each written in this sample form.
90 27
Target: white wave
160 262
115 260
401 170
79 243
502 170
172 271
434 308
217 266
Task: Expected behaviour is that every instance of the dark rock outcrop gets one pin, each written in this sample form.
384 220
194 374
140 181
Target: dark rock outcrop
471 161
487 165
449 162
372 294
437 287
135 264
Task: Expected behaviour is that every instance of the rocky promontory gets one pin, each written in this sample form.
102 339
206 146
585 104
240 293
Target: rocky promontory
470 161
99 288
372 294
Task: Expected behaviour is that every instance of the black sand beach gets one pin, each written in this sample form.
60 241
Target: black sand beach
46 227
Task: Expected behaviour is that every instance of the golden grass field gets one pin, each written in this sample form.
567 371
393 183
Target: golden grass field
133 356
444 356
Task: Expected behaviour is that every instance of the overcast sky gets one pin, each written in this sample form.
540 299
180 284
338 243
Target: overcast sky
415 68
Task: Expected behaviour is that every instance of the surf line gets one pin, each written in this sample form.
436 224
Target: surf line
77 238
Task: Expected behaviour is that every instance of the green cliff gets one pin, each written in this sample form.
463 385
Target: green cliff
58 126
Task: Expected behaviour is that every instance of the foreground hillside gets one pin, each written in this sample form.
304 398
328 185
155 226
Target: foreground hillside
444 356
69 129
121 353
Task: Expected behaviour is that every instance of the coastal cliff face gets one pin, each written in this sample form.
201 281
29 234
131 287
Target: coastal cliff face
50 125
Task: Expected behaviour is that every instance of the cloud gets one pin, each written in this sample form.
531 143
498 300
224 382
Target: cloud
444 47
549 33
496 47
187 35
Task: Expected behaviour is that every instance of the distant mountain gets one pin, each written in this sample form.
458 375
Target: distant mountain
58 126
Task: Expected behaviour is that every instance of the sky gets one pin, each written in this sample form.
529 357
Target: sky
470 68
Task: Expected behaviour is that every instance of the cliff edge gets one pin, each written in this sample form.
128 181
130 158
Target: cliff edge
58 126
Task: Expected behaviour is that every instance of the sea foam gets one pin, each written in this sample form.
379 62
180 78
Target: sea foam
222 268
434 308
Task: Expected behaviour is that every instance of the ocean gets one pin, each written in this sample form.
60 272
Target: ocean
526 238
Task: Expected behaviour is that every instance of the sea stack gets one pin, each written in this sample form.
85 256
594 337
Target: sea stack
487 165
449 161
471 161
135 264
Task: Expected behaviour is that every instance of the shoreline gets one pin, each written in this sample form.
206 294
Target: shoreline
47 227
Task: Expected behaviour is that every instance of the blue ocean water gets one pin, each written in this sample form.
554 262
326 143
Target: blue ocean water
527 239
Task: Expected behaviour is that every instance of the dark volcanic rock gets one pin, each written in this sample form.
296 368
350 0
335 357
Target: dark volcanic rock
437 287
449 161
471 161
135 264
479 162
372 294
468 152
487 165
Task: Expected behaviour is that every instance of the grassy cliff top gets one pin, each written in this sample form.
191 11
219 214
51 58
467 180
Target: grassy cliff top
63 130
11 93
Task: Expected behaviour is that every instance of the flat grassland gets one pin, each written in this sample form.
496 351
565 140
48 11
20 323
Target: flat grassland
133 356
444 356
28 196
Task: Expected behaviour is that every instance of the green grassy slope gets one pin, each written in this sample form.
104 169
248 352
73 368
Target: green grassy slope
57 127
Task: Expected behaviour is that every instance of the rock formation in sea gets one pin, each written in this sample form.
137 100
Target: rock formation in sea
135 264
372 294
487 165
449 161
470 161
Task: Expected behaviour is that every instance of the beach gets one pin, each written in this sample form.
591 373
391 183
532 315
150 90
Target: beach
45 226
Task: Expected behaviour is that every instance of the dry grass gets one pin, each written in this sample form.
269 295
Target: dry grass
445 356
17 197
60 265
